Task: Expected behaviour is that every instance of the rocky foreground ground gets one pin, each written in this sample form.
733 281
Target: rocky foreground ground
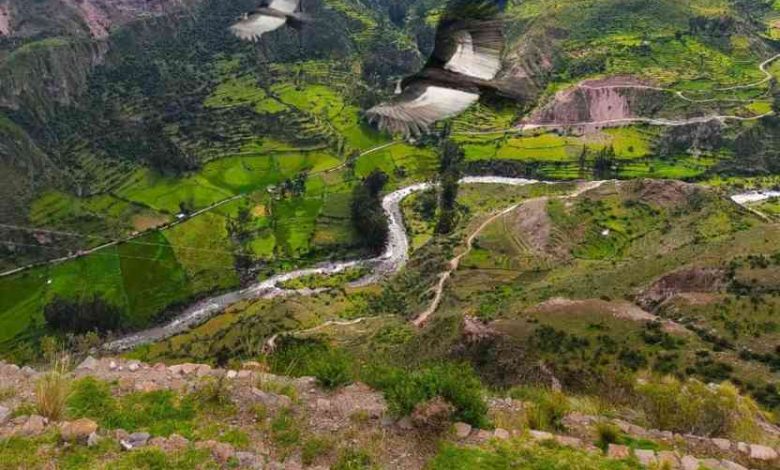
354 416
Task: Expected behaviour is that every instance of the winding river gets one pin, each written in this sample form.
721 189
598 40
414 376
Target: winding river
391 261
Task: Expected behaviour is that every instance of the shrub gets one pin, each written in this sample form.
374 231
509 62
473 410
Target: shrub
214 391
455 383
51 392
607 434
546 409
697 408
332 368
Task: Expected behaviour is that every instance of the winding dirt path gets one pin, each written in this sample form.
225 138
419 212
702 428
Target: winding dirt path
454 263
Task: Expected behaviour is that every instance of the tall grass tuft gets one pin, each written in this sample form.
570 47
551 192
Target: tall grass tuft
52 391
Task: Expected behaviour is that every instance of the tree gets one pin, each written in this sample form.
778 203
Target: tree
82 316
368 217
451 161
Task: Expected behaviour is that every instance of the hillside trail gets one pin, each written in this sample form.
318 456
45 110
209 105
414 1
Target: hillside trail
454 263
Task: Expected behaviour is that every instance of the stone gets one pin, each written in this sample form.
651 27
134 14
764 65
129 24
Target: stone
90 363
763 453
645 457
689 462
133 366
323 404
541 435
5 414
231 374
146 386
271 400
502 434
244 374
203 370
135 440
742 447
462 430
405 423
253 365
77 431
28 371
113 365
711 464
483 435
249 460
121 434
222 452
722 444
618 452
177 442
729 465
93 440
34 426
668 459
160 367
569 441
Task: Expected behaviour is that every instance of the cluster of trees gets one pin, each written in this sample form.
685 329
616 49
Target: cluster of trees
450 171
368 217
240 233
82 316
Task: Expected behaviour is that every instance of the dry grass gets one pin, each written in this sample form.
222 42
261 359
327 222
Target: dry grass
52 390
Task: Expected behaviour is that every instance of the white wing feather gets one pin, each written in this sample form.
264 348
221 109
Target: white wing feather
468 60
285 6
415 116
255 26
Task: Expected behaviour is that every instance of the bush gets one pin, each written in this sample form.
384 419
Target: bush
332 368
547 407
697 408
607 434
455 383
51 393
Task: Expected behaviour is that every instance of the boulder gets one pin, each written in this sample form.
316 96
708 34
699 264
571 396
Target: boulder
271 400
77 431
135 440
462 430
90 363
668 459
541 435
689 462
93 440
762 453
645 457
729 465
483 435
34 426
569 441
502 434
5 414
618 452
722 444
